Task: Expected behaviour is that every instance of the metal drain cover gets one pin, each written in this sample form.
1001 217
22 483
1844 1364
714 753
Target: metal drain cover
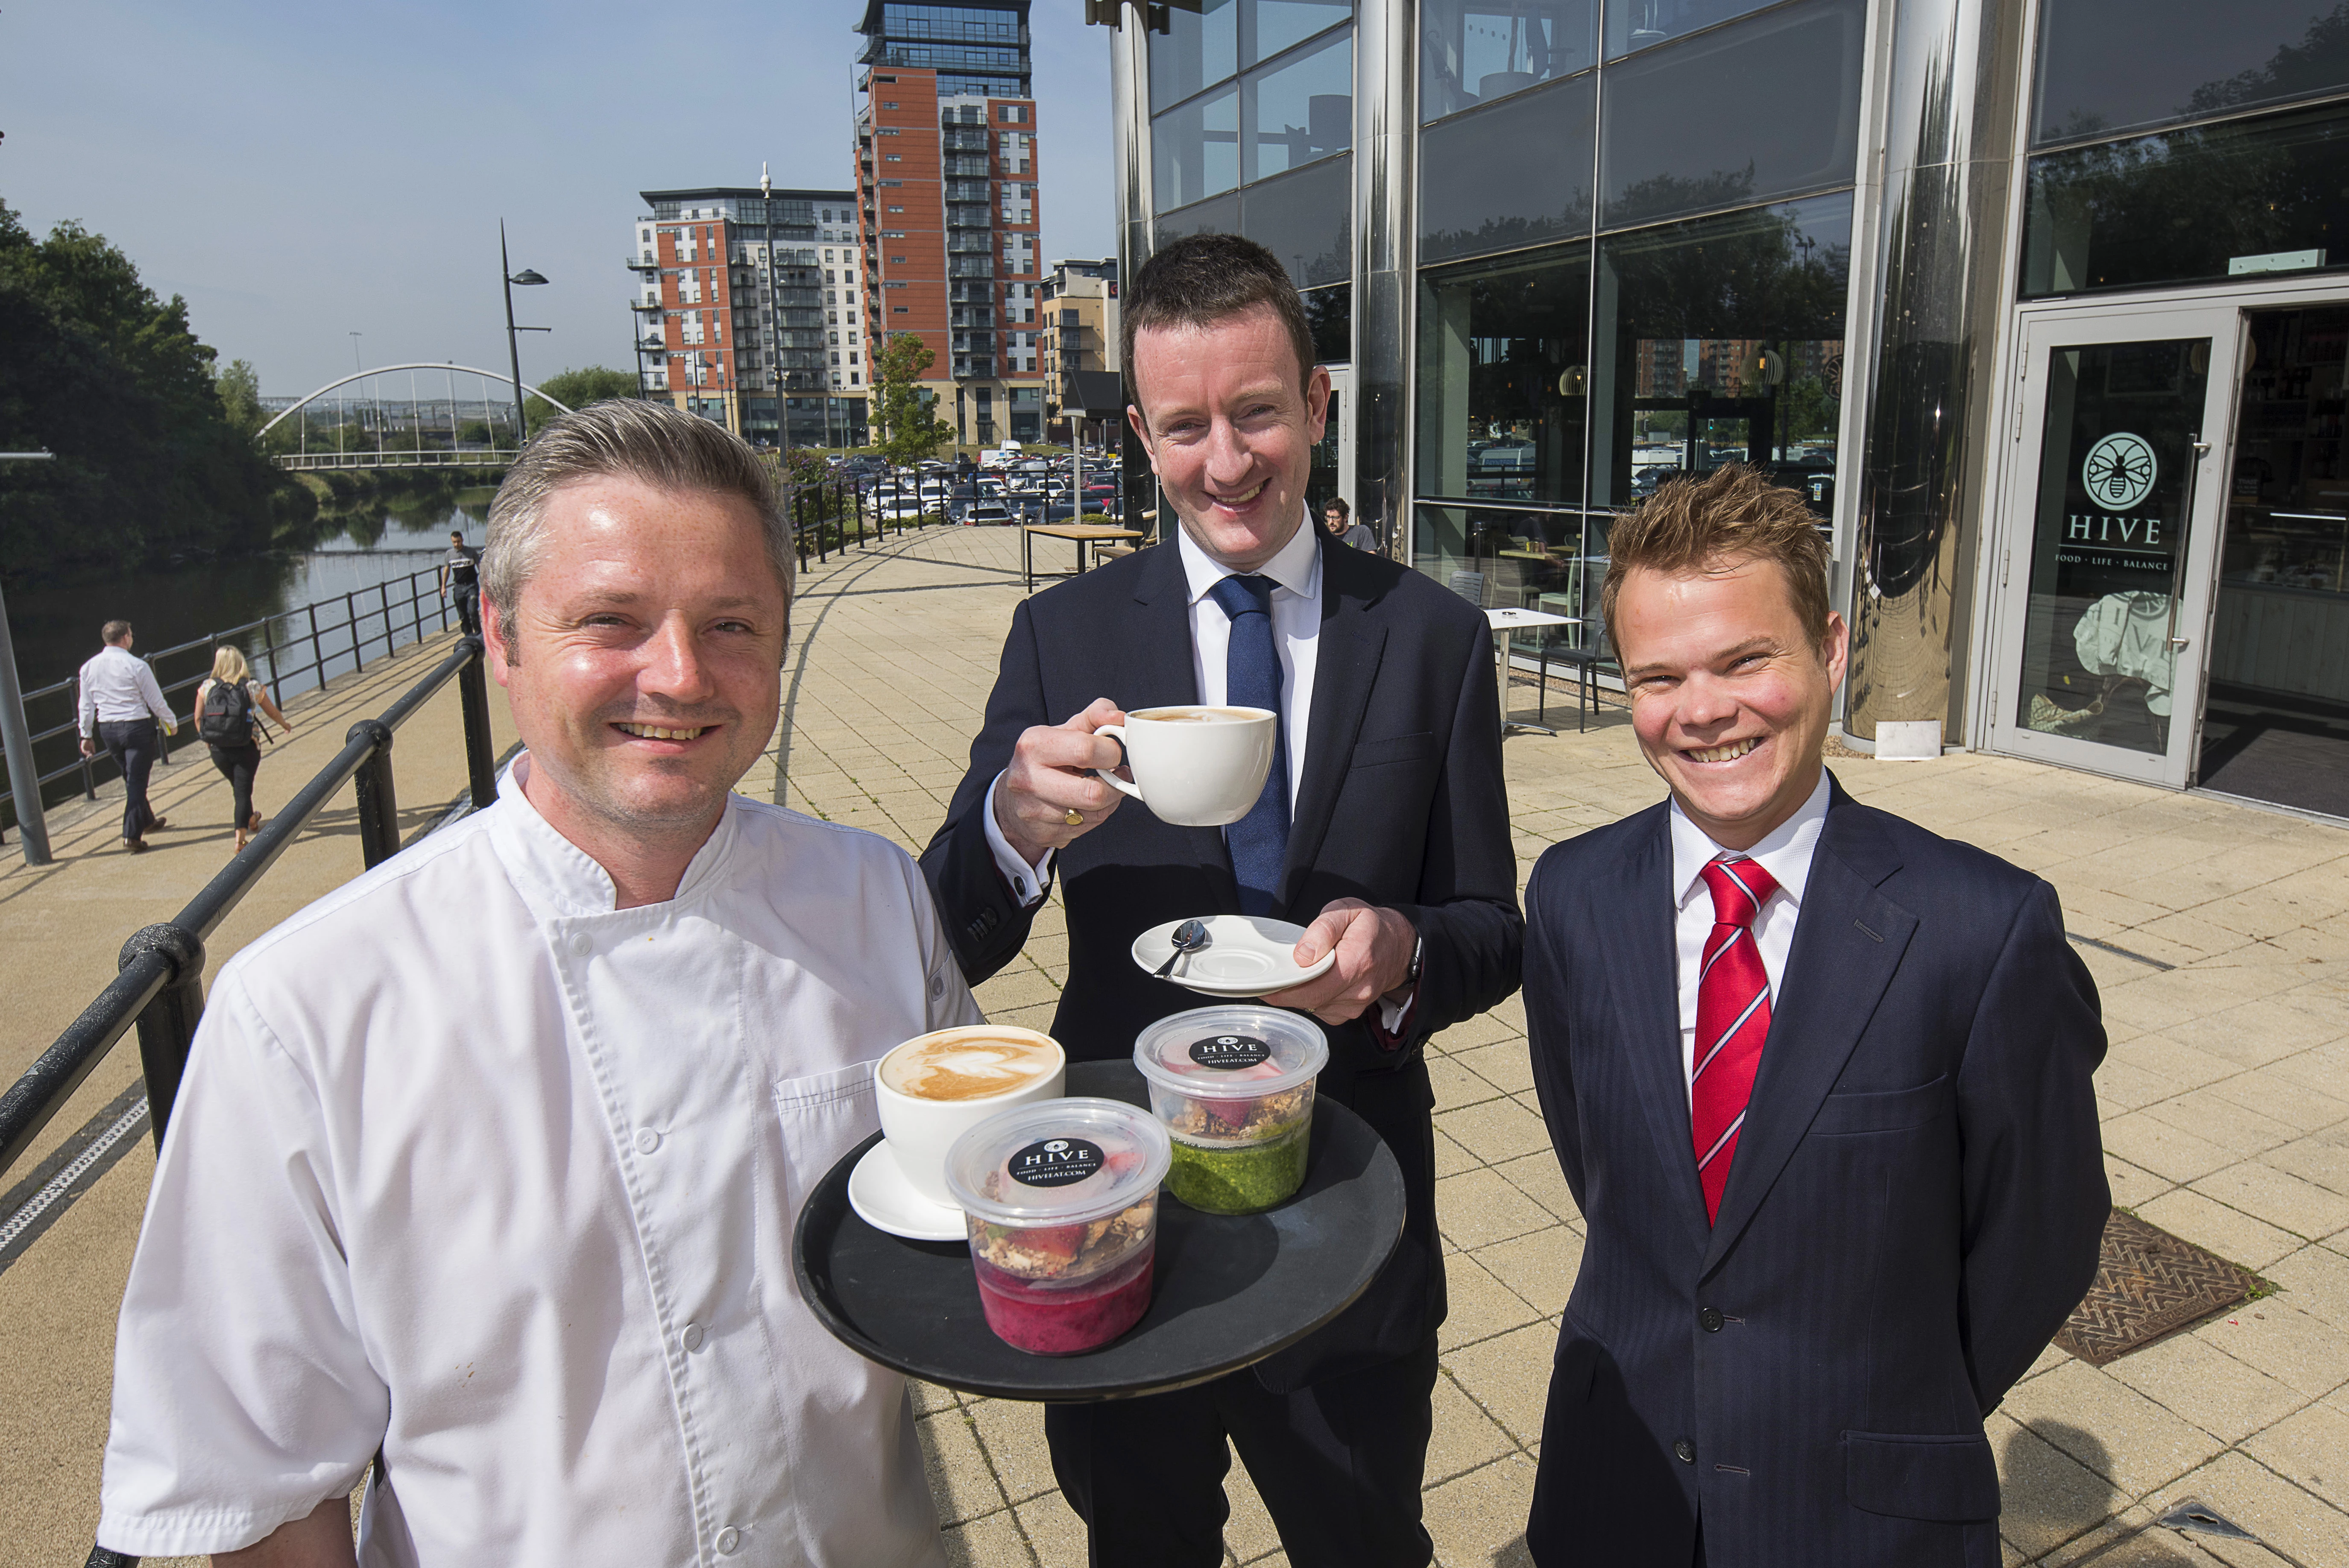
2149 1285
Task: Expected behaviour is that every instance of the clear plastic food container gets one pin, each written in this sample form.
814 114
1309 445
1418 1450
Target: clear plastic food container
1061 1200
1234 1087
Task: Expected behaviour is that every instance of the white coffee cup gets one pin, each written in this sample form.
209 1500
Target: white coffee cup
920 1127
1196 766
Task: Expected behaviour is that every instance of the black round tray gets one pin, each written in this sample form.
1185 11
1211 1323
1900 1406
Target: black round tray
1231 1290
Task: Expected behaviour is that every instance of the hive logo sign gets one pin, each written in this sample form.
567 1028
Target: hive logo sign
2119 470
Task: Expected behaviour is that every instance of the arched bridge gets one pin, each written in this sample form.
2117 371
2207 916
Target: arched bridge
401 416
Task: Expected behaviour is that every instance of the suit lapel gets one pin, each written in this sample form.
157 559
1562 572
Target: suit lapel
1638 950
1154 670
1345 669
1848 944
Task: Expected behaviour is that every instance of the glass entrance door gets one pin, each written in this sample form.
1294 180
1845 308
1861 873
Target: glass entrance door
1333 455
2116 496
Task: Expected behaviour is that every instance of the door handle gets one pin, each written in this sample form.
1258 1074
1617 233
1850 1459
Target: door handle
2177 642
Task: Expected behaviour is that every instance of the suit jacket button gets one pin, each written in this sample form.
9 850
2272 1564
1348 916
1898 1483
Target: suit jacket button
1684 1450
1709 1319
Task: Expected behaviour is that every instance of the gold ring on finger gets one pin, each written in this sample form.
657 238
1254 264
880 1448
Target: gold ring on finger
1074 818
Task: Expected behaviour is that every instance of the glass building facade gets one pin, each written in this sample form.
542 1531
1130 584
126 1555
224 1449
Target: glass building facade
1912 258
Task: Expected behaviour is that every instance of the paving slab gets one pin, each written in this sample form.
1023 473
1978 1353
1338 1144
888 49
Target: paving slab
2222 1101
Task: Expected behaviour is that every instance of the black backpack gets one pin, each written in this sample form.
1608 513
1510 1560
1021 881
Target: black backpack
228 716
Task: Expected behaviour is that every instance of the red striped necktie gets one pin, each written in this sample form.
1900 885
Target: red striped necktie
1733 1019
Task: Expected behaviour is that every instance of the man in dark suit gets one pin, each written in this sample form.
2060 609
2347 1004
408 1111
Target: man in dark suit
1382 822
1820 1082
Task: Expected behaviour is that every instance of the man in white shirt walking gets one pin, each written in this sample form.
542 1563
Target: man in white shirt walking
484 1168
121 706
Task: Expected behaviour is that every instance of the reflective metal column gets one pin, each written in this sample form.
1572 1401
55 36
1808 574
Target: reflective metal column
1385 144
1129 143
1948 149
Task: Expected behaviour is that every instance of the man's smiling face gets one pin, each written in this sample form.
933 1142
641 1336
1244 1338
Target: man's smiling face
1230 422
644 657
1730 698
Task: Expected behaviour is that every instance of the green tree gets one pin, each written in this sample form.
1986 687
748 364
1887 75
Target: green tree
99 371
576 389
905 429
239 386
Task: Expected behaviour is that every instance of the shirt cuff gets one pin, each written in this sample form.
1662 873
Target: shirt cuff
1390 1021
1029 883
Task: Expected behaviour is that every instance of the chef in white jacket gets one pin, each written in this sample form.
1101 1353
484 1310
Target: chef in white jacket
484 1168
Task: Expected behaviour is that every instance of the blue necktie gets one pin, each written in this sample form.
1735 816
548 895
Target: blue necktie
1258 841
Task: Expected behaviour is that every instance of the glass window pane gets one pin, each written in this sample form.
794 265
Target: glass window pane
1504 378
1220 217
1479 191
1721 341
2108 66
2243 198
1201 48
1196 149
1331 312
2108 539
1474 51
1304 219
1280 23
1638 24
1519 558
1769 107
1300 109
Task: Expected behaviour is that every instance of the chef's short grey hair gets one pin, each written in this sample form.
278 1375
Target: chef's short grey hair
655 443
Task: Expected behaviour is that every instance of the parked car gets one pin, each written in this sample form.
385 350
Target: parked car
989 514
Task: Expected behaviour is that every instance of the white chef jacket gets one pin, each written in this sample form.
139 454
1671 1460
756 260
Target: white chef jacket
117 686
1786 853
472 1166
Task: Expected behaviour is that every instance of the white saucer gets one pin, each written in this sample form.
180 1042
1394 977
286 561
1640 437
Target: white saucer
1245 955
884 1200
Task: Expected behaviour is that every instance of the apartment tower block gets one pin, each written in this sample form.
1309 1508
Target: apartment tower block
947 183
740 317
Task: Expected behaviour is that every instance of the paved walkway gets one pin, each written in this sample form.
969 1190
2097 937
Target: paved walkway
2225 1099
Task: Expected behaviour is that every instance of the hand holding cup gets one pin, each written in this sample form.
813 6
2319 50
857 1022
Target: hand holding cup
1050 797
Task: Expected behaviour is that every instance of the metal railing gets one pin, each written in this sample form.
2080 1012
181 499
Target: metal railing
159 986
294 650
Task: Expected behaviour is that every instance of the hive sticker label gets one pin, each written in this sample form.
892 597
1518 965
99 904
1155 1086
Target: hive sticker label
1230 1052
1055 1162
2119 470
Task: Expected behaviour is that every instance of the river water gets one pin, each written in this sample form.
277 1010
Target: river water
56 629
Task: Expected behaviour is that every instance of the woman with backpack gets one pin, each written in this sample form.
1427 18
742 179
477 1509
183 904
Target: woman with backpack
231 730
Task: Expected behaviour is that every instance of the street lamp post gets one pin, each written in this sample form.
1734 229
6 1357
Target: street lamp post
23 776
514 354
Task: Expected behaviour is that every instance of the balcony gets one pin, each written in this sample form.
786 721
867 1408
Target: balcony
965 163
650 263
651 305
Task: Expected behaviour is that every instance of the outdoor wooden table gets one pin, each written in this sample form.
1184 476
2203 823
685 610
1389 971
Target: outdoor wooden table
1086 534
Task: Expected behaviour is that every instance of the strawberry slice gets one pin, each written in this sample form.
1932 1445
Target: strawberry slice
1056 1243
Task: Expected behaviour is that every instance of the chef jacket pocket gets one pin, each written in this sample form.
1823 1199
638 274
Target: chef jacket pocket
1894 1111
823 1117
1950 1480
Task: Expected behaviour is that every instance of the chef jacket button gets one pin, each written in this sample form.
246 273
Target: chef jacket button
1684 1450
1710 1319
580 944
647 1140
729 1540
692 1336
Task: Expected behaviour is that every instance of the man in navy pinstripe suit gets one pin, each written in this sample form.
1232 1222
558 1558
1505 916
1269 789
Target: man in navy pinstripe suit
1821 1084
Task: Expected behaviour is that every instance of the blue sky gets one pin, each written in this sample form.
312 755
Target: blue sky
302 171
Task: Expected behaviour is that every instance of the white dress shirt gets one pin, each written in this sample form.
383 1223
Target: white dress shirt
1296 574
471 1165
116 685
1785 853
